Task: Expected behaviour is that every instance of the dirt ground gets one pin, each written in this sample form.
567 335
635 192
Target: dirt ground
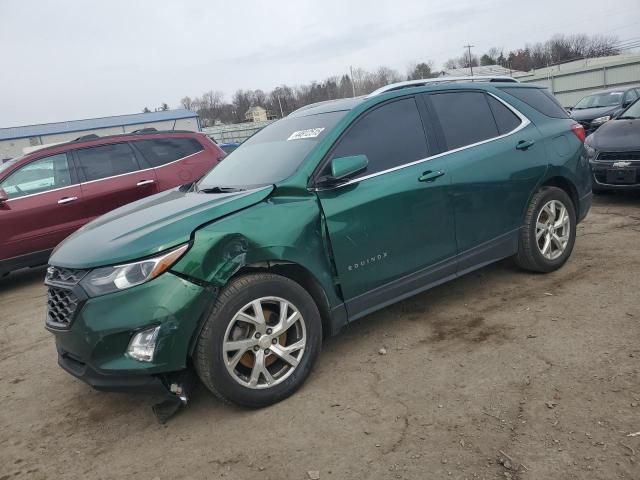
500 374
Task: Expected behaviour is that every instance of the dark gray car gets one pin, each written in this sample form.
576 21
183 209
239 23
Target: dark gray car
596 109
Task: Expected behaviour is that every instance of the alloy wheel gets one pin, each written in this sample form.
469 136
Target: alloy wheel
264 342
553 229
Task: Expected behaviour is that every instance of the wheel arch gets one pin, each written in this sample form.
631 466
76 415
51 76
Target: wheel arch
569 188
332 318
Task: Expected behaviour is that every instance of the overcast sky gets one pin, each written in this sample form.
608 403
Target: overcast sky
64 59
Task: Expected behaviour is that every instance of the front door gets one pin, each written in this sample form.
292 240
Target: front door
111 177
391 227
43 208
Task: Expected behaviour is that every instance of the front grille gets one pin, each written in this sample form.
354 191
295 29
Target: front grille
61 307
619 156
64 276
64 296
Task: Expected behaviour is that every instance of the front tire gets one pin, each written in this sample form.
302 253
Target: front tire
260 341
548 233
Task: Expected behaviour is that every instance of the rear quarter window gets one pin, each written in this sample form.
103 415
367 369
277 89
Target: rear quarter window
538 98
161 151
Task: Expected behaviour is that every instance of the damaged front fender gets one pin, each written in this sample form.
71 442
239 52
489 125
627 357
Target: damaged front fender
282 229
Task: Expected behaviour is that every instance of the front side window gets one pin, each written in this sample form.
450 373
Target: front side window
39 176
161 151
390 136
465 118
106 161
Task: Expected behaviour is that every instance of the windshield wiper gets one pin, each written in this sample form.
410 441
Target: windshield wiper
220 190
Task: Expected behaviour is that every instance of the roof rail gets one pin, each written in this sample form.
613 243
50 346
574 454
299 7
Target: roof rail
429 81
145 130
89 136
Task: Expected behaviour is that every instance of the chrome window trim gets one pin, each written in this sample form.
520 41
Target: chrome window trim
524 122
99 179
40 193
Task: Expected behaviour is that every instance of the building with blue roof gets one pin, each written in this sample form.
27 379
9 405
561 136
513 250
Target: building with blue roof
15 141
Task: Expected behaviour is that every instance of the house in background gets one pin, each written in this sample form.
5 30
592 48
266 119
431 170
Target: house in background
258 114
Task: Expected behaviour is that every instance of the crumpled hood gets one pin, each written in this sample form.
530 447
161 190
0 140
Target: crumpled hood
148 226
617 135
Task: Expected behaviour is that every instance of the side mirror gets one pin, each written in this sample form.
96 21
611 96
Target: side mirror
342 167
3 196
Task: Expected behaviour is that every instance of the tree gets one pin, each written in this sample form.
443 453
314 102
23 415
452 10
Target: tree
420 71
187 103
164 107
146 110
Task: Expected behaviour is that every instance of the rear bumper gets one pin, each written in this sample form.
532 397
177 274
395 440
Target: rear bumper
585 206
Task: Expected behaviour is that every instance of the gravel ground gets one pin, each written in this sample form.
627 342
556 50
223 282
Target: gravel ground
500 374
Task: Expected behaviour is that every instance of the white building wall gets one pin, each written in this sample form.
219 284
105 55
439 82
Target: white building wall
570 83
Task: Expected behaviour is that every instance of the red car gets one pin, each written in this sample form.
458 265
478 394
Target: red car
47 194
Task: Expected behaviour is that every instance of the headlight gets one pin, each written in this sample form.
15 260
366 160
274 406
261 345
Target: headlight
591 152
105 280
600 120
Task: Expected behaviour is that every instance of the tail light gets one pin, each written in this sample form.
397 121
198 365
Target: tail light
579 131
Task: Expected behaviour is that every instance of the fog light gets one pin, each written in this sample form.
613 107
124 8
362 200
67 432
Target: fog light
143 344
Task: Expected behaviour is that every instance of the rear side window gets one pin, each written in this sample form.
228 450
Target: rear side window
390 136
38 176
161 151
106 161
538 98
465 118
505 118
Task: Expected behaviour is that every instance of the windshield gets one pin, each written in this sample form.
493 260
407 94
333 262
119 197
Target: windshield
272 154
632 112
597 100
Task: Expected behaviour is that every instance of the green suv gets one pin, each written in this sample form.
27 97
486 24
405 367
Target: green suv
321 218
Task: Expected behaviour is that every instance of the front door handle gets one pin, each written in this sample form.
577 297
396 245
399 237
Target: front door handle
64 200
141 183
524 144
430 176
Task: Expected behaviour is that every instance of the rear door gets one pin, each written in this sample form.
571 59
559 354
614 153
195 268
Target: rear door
176 160
495 159
43 206
111 176
391 227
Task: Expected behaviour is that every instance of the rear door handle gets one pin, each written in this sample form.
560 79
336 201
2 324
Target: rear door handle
64 200
524 144
430 176
145 182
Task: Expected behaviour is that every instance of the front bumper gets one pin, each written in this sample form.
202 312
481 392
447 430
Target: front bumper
93 347
606 176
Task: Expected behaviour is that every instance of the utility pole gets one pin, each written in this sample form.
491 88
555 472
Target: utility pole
280 103
468 47
353 84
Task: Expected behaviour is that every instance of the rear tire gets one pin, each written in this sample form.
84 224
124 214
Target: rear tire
276 326
548 233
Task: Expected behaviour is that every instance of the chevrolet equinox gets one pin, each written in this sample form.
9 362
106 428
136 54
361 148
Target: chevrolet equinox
337 210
